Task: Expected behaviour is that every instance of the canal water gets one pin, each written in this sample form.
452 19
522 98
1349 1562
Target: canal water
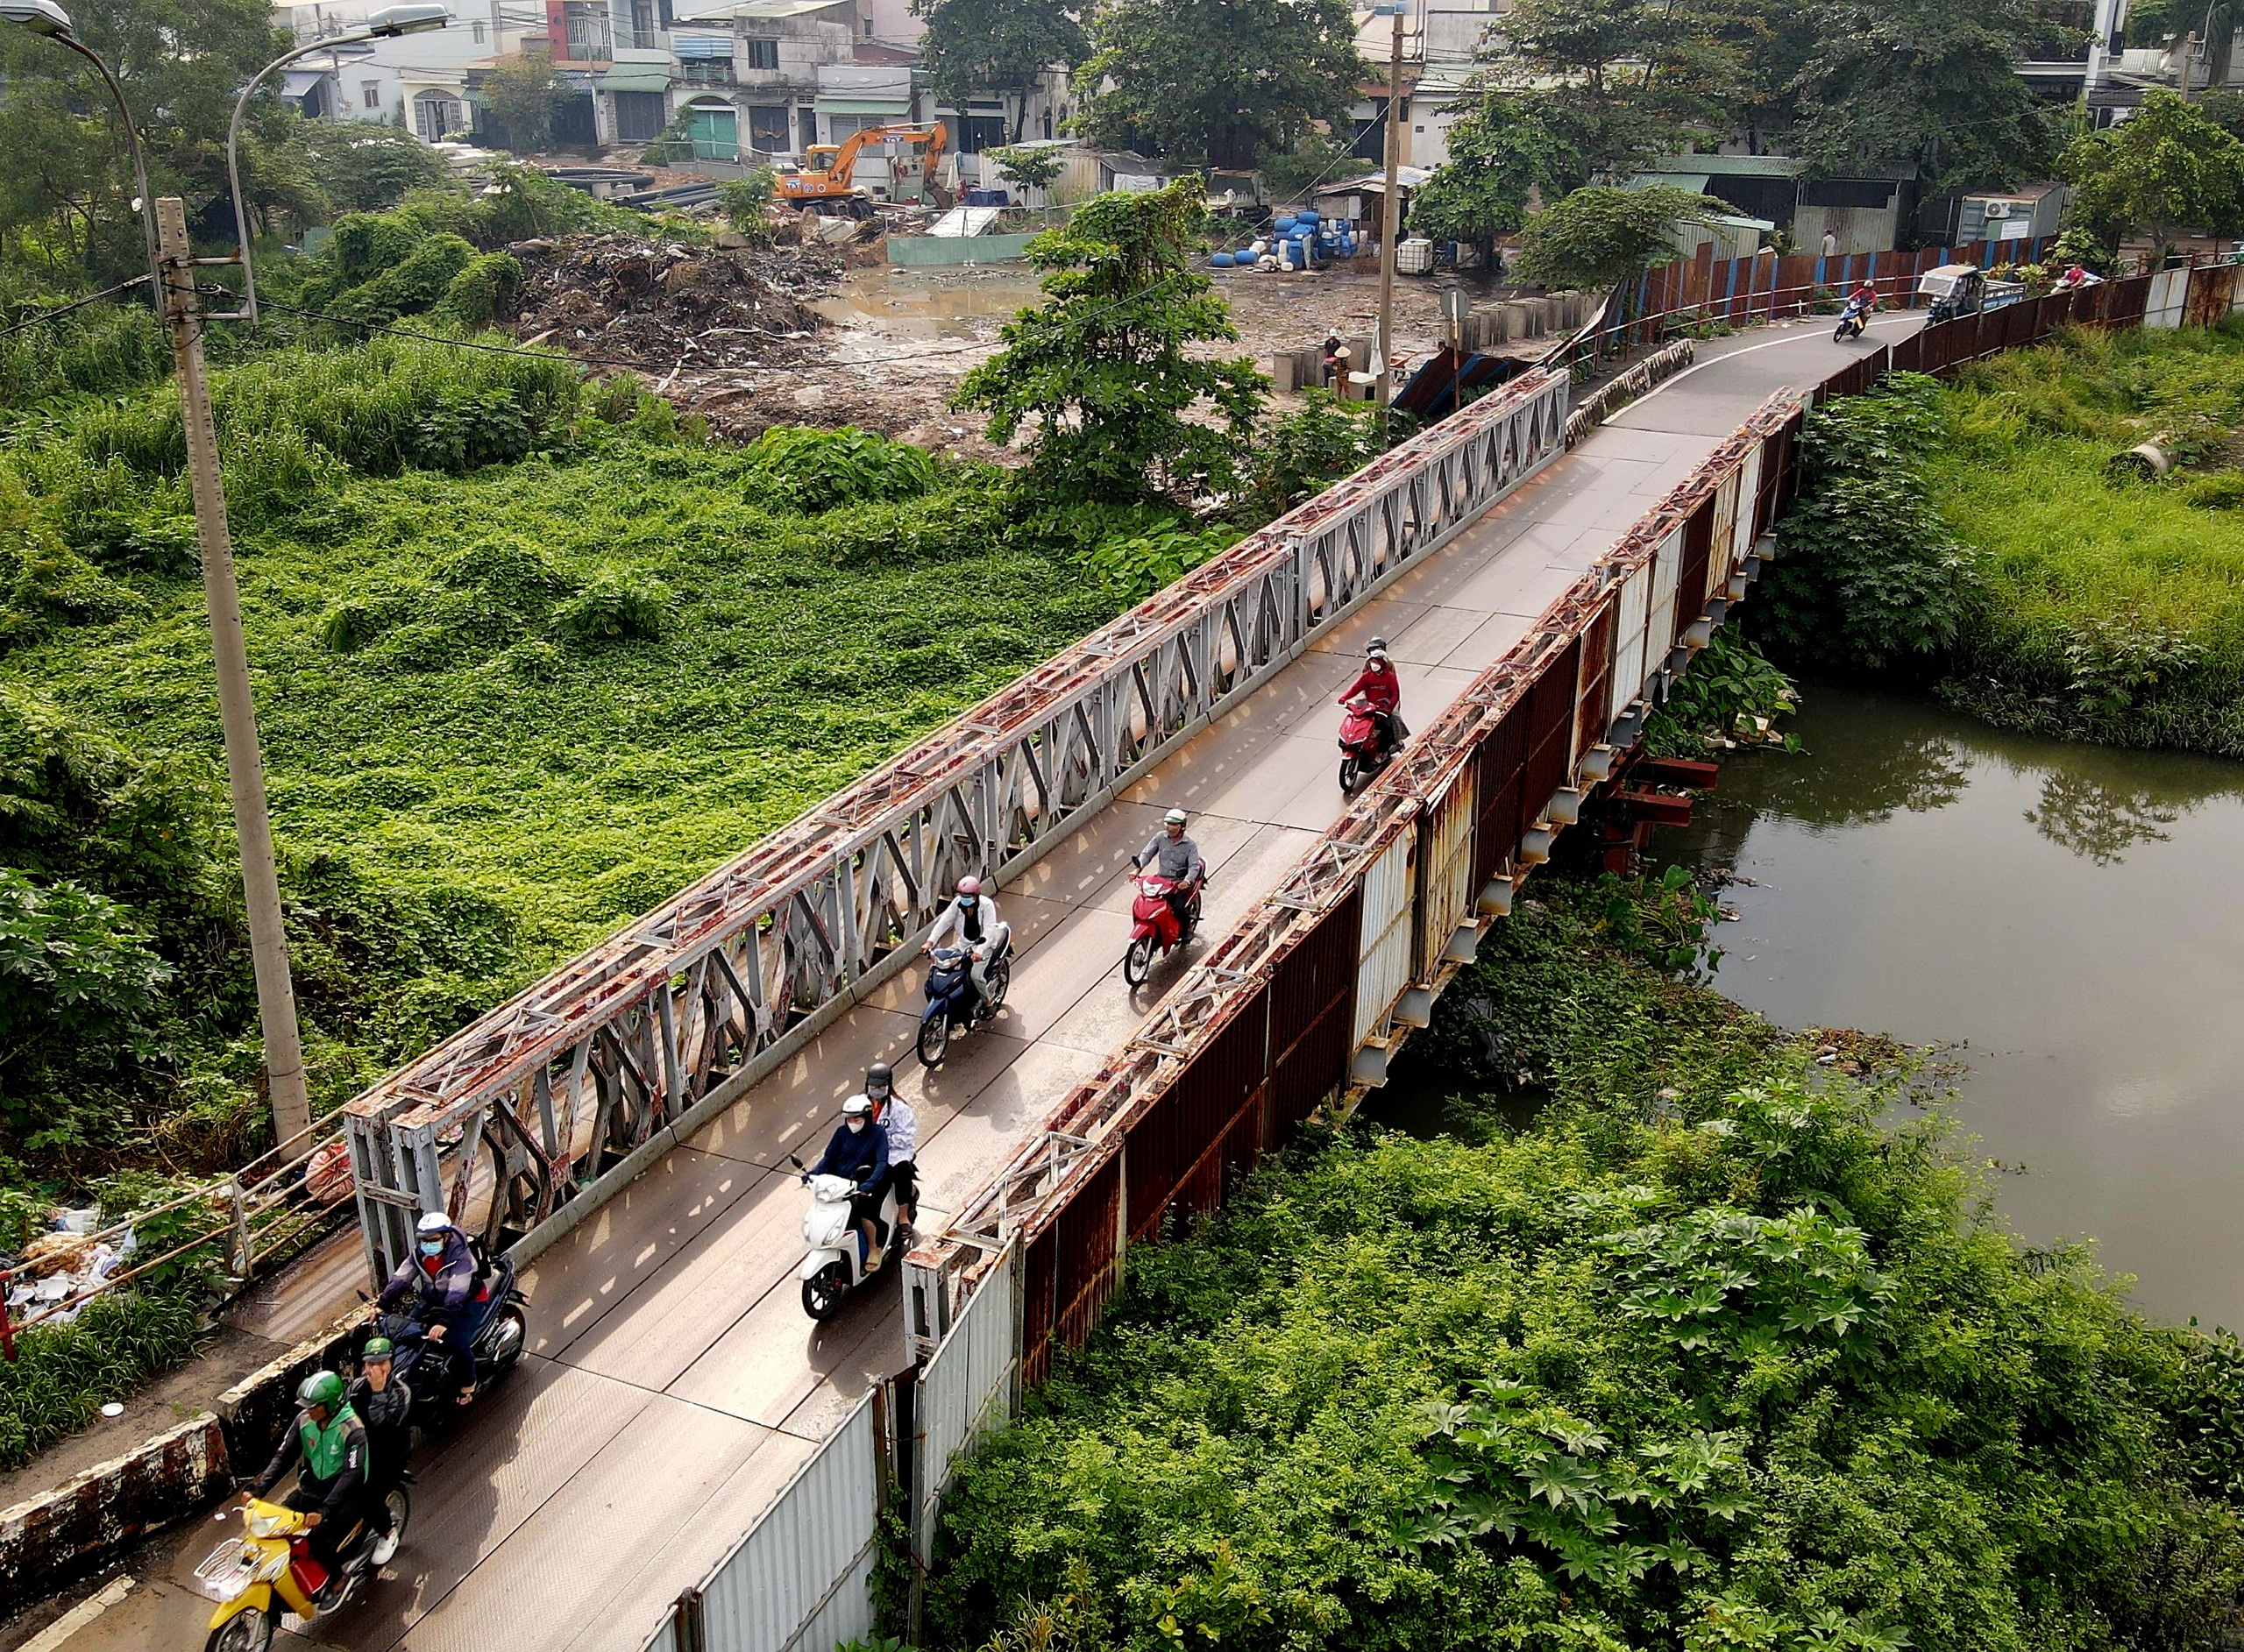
2074 913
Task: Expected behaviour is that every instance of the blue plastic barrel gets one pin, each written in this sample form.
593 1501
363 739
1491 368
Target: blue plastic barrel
1221 261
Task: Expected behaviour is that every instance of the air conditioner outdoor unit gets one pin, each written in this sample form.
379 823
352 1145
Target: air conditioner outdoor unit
1998 209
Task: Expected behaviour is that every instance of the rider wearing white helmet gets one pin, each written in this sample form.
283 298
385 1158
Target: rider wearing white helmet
972 917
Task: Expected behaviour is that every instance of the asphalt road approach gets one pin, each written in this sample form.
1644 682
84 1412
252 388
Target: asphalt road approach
672 1383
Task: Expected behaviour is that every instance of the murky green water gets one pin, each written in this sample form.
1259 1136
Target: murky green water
2076 913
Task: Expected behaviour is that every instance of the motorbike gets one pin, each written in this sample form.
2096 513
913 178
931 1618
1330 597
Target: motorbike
1364 750
493 1333
1155 929
831 1268
952 1005
1852 320
272 1561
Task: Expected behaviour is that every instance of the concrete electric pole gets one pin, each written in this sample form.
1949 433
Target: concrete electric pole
1390 224
276 1002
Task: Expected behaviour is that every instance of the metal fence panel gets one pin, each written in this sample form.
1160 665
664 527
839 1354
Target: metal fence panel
1722 549
967 1385
1385 967
799 1581
2169 291
1628 669
1447 890
1749 493
1666 566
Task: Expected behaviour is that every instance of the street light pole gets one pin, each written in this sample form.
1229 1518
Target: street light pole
386 24
1390 212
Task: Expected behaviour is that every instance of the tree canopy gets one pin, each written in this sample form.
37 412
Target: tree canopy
1222 81
1101 373
1599 236
973 47
1497 154
2167 168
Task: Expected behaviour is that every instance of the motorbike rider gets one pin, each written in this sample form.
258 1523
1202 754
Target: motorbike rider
385 1404
1382 690
1176 858
858 1152
329 1441
894 1115
972 916
440 1278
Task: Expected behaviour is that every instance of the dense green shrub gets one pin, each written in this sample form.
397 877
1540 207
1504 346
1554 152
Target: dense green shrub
1704 1359
99 351
814 470
1871 575
1304 452
484 290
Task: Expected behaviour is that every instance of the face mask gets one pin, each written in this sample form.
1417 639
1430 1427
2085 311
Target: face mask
966 903
432 1247
856 1123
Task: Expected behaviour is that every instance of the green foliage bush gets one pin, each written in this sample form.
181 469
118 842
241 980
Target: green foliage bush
1869 576
1704 1358
1302 453
1731 689
813 471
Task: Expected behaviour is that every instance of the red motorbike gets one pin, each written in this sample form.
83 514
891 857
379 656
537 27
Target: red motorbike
1155 930
1364 750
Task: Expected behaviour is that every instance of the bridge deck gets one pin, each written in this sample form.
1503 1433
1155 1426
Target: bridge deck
673 1383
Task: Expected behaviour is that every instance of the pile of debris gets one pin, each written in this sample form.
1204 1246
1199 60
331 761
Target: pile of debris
663 305
59 1266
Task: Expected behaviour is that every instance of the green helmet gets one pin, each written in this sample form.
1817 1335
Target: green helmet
376 1347
321 1388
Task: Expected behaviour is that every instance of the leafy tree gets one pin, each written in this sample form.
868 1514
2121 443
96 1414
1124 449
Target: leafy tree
743 199
361 167
1924 91
1601 78
1497 154
973 47
1290 174
523 98
1600 236
1305 452
1028 168
1222 81
1871 575
66 180
1104 370
2166 169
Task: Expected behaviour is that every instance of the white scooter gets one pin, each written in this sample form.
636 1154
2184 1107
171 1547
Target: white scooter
832 1269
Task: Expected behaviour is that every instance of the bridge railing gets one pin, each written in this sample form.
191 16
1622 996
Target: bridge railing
523 1120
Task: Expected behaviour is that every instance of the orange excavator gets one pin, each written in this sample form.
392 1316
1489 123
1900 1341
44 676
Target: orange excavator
827 182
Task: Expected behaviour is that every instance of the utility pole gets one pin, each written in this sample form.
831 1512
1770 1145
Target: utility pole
276 1002
1390 214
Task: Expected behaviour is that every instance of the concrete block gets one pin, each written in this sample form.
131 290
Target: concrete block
47 1541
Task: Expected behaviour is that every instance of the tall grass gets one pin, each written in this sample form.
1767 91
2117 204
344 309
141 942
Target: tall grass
62 1374
2111 609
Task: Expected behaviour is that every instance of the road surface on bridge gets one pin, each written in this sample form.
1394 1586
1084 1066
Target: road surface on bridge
673 1384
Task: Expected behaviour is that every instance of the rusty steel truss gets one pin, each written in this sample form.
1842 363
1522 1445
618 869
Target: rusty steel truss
1717 515
563 1092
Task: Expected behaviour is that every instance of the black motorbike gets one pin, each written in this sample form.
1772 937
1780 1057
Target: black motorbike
494 1332
953 1005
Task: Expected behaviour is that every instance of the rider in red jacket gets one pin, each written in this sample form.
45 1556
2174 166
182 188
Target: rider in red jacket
1379 686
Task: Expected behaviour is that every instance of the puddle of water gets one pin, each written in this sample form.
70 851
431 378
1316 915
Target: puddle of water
2072 911
948 303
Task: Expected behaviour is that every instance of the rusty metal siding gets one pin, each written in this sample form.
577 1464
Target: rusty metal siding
1187 1146
1039 1267
1312 1008
1747 511
2206 302
1592 704
1667 565
802 1575
1384 963
1446 885
1502 761
1691 578
1550 732
1722 543
1088 1257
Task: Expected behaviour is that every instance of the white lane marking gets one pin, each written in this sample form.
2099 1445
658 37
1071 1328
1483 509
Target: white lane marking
51 1638
1732 355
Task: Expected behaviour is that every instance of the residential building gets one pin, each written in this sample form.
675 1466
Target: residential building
612 60
748 74
420 80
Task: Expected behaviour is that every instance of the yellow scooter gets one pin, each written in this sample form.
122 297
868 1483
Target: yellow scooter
273 1560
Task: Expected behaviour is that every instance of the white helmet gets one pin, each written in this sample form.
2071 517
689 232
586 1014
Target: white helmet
433 1222
1174 817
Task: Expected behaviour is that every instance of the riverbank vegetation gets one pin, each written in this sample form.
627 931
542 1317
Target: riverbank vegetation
1975 537
1702 1358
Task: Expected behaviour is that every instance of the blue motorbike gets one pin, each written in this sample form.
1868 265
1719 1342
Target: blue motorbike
493 1334
953 1005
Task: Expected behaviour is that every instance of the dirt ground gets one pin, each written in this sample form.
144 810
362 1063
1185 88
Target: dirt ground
791 335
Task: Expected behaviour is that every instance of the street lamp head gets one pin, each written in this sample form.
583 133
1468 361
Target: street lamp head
386 24
40 17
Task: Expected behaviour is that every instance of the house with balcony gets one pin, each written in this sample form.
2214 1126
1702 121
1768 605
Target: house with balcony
612 59
747 73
